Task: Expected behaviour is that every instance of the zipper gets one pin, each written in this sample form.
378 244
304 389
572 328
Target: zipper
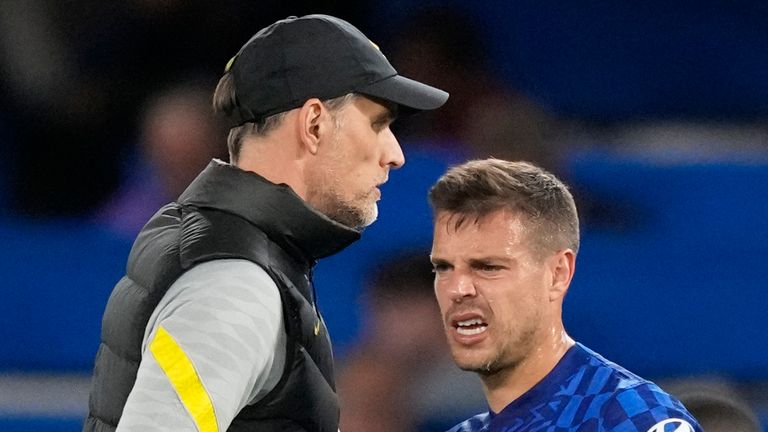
311 280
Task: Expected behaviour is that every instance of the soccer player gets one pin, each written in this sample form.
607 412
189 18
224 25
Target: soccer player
506 236
215 325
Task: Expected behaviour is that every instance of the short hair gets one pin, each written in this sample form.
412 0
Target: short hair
480 187
225 102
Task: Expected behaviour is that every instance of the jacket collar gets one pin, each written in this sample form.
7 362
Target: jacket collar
274 208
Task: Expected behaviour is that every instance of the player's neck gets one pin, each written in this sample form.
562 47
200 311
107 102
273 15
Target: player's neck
505 386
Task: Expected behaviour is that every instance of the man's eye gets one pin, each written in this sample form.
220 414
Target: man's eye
439 268
489 268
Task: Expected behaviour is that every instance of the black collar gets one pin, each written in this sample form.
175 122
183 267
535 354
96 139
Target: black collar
273 208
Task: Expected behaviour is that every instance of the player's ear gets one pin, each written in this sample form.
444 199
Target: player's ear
312 124
562 266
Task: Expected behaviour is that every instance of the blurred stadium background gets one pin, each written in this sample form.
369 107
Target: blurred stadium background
655 112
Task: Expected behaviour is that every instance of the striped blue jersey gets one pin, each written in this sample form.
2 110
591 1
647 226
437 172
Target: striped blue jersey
585 392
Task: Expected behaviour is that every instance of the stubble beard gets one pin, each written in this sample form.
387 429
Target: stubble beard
506 358
326 197
347 213
486 367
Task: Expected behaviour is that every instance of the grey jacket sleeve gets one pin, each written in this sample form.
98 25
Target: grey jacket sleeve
214 344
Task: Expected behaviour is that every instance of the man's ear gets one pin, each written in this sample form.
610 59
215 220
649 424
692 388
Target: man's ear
562 265
310 123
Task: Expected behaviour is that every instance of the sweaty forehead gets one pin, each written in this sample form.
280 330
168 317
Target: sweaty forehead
495 220
498 232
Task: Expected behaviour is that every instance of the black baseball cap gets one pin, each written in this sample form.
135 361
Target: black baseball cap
317 56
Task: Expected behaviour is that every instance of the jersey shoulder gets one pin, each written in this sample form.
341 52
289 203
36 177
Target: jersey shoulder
646 408
634 404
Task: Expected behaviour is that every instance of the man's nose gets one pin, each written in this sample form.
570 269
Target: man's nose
393 153
463 288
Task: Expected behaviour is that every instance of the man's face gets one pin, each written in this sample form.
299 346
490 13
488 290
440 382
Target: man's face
492 289
362 150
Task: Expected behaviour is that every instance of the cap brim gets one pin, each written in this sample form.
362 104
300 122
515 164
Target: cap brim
407 93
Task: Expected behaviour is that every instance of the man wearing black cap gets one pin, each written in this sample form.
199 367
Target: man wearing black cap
215 325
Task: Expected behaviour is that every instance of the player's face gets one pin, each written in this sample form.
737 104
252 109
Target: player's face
362 151
492 290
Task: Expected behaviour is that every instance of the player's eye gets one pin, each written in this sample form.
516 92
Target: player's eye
489 268
440 268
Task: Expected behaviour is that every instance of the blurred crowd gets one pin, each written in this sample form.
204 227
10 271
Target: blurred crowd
95 91
105 115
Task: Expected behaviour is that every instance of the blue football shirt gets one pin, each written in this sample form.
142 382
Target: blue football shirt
585 392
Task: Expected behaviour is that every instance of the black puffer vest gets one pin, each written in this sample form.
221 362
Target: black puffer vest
228 213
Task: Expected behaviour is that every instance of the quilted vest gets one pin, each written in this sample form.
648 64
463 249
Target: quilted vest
228 213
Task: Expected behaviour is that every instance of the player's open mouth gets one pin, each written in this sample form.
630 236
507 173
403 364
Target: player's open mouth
470 327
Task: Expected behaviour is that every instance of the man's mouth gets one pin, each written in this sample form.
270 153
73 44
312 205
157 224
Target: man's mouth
384 180
470 326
